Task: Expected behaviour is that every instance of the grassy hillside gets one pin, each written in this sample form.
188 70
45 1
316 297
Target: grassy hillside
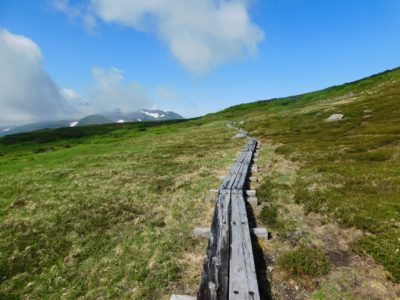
347 170
106 211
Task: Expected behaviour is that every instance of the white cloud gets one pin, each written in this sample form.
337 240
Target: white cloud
27 93
80 13
201 34
110 92
165 92
70 95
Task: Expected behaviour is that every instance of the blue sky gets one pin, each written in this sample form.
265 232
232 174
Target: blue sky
286 47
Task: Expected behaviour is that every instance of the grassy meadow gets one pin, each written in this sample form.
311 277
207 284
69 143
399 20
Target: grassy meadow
106 212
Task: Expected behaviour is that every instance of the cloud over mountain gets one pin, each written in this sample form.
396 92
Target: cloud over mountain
201 34
27 93
109 92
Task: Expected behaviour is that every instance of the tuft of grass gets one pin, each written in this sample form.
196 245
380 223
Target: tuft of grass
384 249
305 261
374 156
285 150
269 215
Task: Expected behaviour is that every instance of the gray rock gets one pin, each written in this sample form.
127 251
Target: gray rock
335 117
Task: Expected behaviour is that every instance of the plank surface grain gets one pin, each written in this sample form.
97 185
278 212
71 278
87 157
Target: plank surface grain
229 269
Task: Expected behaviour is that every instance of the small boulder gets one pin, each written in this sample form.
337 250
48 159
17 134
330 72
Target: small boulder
335 117
241 123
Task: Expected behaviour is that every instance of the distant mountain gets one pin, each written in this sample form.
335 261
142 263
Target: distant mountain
33 127
116 116
92 120
153 115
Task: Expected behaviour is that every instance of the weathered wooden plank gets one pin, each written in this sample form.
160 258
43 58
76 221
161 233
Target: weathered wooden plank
242 163
229 262
241 167
215 278
229 180
240 180
242 272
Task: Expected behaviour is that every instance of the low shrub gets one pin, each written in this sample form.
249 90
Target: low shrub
269 215
374 156
305 261
285 150
43 150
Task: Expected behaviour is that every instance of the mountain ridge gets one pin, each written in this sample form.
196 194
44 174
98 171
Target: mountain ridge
143 115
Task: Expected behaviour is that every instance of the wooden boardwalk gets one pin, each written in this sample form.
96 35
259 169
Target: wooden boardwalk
229 270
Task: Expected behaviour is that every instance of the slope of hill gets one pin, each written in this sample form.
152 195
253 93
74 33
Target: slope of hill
107 211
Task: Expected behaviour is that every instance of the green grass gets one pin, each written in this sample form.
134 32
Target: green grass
355 163
269 215
107 211
108 216
305 262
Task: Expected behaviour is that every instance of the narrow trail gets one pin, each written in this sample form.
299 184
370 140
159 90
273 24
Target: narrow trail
229 270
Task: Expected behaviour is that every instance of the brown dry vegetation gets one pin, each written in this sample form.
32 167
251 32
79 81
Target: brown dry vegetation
351 276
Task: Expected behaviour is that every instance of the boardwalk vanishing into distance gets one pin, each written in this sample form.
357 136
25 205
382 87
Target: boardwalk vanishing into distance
229 269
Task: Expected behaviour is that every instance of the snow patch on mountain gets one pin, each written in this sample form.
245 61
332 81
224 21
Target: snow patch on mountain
7 129
73 124
153 115
121 121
